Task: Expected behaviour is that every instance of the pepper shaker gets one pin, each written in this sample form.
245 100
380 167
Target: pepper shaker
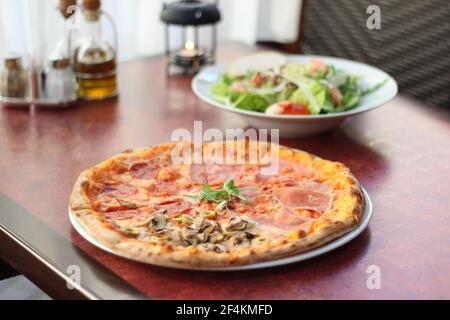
14 80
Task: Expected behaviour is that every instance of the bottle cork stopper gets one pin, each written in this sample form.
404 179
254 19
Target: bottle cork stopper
64 7
91 4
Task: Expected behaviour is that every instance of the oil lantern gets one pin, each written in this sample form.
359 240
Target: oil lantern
191 33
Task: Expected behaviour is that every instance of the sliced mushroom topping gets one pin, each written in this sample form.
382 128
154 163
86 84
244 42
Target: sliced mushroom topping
130 231
198 222
227 235
183 240
215 247
242 238
158 221
216 237
218 227
218 248
250 235
201 229
174 234
202 237
207 226
238 240
210 229
189 233
237 223
222 206
187 236
250 222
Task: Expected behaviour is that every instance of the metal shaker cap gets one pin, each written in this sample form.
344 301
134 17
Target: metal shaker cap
13 61
62 63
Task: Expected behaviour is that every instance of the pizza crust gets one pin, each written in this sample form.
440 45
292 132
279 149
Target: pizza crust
343 216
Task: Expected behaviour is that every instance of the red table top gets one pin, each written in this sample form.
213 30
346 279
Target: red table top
400 153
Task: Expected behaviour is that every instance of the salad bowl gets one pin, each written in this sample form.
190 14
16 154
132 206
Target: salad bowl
299 125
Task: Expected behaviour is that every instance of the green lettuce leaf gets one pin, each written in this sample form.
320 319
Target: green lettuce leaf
252 102
219 89
319 93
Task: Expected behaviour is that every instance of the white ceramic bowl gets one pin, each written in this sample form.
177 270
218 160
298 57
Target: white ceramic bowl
304 125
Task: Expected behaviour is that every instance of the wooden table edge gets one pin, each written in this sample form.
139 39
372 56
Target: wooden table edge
20 249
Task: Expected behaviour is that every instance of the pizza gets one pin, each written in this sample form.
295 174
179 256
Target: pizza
145 206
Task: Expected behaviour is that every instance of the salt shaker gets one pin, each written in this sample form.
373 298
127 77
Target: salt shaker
60 83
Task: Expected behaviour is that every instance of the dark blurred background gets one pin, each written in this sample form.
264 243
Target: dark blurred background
413 43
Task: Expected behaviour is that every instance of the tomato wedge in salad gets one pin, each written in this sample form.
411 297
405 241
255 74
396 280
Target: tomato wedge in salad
287 107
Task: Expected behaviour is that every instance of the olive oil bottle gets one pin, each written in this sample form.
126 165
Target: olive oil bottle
95 59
